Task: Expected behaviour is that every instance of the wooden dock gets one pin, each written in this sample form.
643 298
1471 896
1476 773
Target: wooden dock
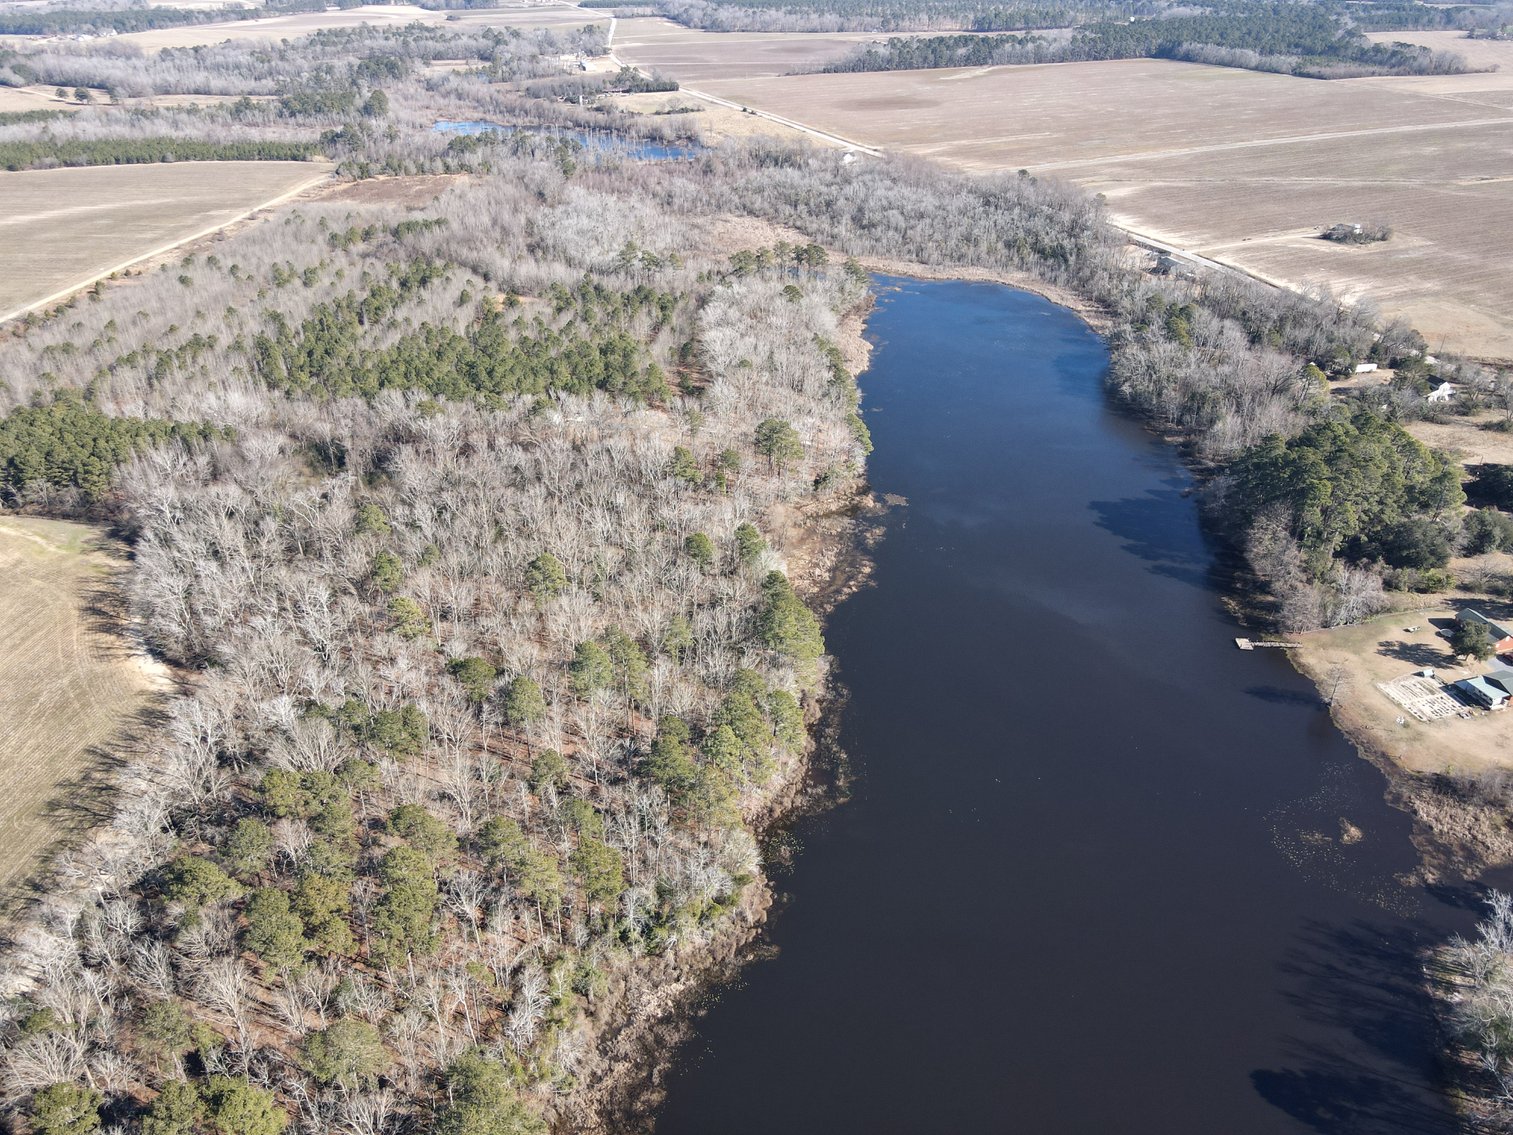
1250 644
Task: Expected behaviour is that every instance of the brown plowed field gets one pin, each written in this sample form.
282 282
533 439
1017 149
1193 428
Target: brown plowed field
695 57
1241 167
379 15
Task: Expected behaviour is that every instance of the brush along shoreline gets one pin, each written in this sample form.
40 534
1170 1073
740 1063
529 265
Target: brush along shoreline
649 1011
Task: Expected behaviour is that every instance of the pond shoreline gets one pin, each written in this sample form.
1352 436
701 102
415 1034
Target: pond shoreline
645 1039
649 1016
1362 828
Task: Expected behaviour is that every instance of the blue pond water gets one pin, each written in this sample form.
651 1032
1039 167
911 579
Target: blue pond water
603 142
1090 879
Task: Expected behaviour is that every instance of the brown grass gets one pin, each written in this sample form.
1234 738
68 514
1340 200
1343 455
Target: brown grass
80 224
379 15
16 99
71 686
1384 649
1466 439
696 57
1237 166
413 191
714 123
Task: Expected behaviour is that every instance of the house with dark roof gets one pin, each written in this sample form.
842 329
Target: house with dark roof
1502 637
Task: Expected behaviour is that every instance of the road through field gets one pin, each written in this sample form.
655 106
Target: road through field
1219 165
86 224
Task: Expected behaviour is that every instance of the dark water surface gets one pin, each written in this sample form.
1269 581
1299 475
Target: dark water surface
1090 879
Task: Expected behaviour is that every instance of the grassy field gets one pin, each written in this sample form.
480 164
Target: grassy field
84 223
379 15
1486 53
1395 646
1241 167
20 99
70 687
696 57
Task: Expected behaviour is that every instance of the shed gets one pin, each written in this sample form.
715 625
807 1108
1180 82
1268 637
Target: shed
1364 368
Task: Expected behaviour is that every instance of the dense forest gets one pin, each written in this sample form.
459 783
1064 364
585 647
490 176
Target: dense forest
1290 38
471 528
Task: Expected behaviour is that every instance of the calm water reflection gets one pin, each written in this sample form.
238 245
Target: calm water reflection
1090 879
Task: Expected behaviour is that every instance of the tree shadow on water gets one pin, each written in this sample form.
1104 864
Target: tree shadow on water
1279 696
1364 979
1158 527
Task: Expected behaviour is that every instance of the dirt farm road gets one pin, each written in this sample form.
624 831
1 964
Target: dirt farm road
63 293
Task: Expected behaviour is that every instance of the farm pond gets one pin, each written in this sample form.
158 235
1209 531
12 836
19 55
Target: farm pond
1098 870
598 142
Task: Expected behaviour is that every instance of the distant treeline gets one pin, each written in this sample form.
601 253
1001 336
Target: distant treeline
1006 15
1301 39
894 15
144 151
87 21
948 51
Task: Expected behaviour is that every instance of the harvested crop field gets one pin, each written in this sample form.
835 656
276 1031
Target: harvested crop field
379 15
696 57
1237 166
70 685
1484 53
82 224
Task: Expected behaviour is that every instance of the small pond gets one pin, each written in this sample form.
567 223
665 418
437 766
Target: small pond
598 142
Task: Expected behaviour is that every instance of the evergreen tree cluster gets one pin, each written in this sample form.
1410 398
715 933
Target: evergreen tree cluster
1357 487
588 345
69 444
48 152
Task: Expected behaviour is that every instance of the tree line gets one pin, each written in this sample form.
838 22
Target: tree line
1301 39
1027 15
139 151
97 21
